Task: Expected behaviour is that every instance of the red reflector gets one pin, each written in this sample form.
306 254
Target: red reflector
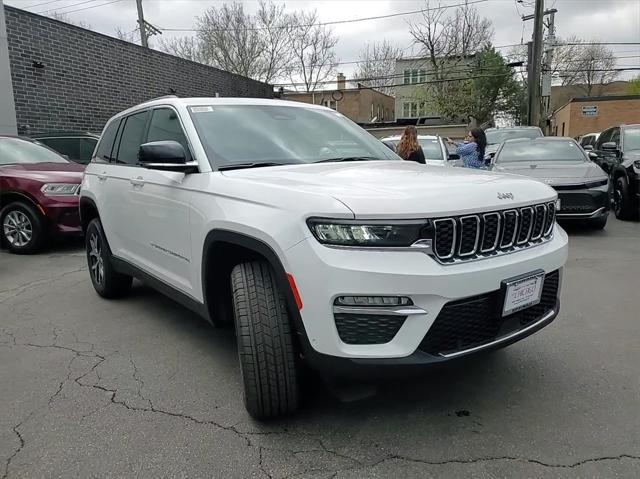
294 290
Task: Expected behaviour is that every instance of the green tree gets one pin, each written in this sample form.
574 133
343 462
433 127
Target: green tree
633 88
490 89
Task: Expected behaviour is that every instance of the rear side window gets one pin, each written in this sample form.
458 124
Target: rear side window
131 138
164 126
106 141
65 146
86 147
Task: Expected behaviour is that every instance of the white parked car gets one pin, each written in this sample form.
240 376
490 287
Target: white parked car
434 149
293 222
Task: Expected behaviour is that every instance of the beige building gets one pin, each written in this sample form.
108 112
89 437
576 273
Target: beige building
362 105
560 95
595 114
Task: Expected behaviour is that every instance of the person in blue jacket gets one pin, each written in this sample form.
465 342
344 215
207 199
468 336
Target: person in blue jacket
471 151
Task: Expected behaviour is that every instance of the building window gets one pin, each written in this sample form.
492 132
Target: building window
422 75
407 77
330 103
563 128
414 109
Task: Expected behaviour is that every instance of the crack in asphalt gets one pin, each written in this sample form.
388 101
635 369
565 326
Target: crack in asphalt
20 447
18 290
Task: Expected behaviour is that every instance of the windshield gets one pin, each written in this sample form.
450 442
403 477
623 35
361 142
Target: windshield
255 134
498 136
15 150
430 147
631 139
536 151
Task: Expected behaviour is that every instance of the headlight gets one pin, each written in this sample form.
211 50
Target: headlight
60 189
369 233
596 184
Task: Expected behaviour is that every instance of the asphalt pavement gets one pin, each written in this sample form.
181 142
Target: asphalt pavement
141 387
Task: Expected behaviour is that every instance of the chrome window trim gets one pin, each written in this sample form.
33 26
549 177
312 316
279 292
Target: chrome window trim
475 245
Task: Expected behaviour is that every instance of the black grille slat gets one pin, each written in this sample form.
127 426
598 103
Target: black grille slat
445 237
469 234
538 222
526 224
490 232
478 320
510 221
476 236
367 329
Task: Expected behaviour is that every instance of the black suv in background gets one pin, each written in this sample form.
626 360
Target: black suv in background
618 154
76 146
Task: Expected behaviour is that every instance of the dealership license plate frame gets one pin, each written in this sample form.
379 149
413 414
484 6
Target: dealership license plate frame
511 286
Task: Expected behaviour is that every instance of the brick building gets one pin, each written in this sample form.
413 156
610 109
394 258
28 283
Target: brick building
361 105
69 78
594 114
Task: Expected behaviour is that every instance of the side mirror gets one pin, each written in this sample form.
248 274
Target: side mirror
609 146
453 156
166 156
593 156
587 147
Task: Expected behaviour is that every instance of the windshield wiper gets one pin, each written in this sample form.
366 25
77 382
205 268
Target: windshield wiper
348 158
238 166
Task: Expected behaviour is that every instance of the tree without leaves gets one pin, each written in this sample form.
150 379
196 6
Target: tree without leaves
256 46
312 47
130 37
63 17
377 60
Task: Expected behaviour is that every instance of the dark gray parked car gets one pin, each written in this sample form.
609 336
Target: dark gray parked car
76 146
583 188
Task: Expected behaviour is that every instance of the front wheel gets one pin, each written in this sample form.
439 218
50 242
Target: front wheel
106 281
265 342
22 229
622 203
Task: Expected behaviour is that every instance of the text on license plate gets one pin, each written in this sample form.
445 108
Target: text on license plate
522 293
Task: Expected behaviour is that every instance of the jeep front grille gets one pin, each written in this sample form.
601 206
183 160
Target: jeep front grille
463 238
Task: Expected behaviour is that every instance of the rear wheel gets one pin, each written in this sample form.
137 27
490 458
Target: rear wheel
265 342
622 203
106 281
22 229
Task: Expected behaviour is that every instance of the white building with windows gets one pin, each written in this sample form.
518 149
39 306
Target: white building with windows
413 100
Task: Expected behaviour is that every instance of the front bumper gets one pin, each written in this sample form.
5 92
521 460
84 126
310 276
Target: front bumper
62 214
583 204
322 274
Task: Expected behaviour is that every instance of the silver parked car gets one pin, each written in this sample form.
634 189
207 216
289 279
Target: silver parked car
583 187
495 136
433 146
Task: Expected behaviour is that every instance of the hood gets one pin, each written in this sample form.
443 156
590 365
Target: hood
45 172
401 188
556 173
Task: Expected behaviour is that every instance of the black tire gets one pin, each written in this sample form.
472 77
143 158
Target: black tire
622 201
598 224
265 342
107 282
19 220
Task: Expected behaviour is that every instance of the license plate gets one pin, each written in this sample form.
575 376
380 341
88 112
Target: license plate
522 292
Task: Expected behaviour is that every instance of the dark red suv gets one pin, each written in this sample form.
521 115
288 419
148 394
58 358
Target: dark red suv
38 194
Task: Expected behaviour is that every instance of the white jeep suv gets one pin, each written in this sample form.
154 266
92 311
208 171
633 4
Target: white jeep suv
316 240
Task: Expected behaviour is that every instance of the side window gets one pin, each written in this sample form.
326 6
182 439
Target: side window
615 136
131 138
65 146
165 125
106 141
87 145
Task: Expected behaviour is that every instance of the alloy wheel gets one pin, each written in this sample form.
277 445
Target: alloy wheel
96 263
17 229
617 201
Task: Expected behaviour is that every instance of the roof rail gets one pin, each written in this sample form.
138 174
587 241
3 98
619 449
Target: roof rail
163 97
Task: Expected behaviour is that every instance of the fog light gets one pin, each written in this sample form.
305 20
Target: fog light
373 301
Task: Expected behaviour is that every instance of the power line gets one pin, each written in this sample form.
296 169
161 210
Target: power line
92 6
336 22
56 9
42 3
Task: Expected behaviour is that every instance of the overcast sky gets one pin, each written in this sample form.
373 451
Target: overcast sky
595 20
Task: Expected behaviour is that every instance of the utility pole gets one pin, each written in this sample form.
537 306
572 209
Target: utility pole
534 81
546 64
142 25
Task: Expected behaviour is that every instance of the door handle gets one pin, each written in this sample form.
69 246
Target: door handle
138 181
102 176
